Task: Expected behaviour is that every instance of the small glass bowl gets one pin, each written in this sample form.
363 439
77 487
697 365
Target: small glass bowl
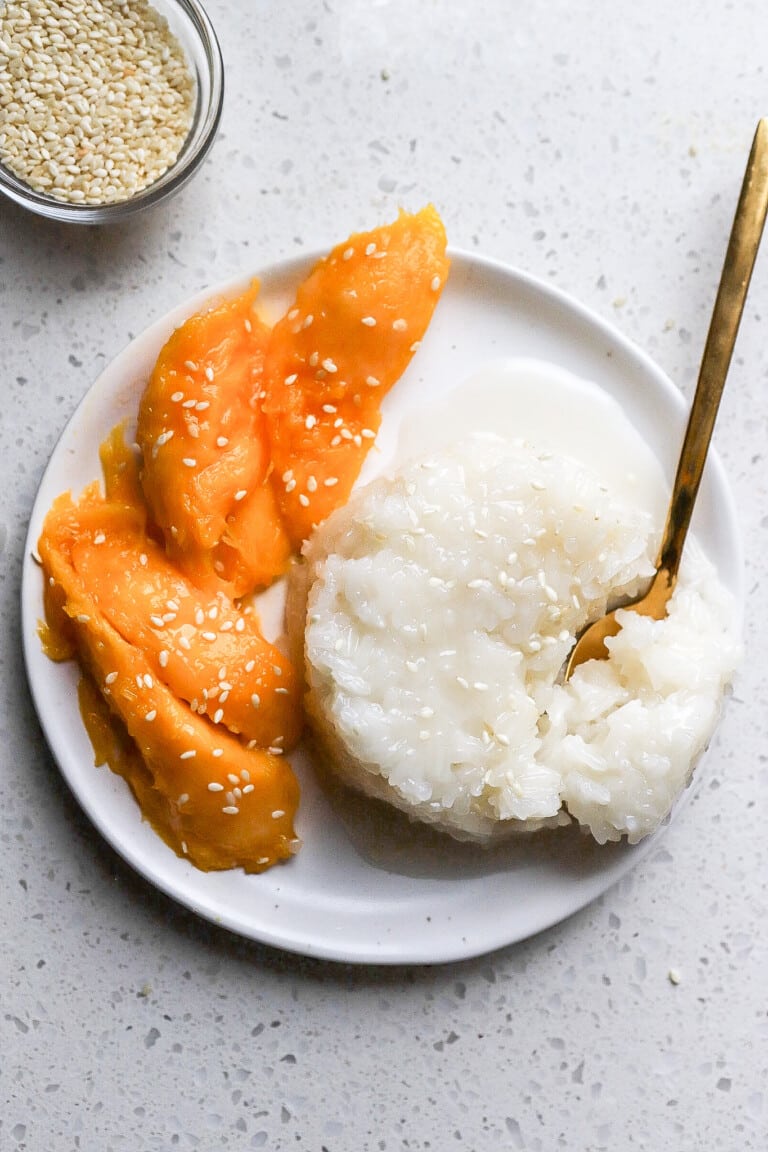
191 26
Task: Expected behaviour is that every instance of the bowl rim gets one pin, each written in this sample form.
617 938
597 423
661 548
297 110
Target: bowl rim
173 179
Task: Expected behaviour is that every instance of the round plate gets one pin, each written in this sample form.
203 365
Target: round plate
367 886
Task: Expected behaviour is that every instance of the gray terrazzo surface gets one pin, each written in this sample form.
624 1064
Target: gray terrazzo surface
600 148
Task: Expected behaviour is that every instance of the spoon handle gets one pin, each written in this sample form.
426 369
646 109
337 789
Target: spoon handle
737 272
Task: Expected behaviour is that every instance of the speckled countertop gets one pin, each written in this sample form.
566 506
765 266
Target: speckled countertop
601 148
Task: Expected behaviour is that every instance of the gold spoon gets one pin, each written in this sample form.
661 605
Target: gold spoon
734 282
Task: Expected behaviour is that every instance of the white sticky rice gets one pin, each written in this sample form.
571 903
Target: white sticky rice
441 604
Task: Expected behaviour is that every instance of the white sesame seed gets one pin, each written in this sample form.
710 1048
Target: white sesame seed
255 699
230 810
370 249
331 481
369 321
303 500
248 788
372 381
292 378
435 284
156 621
278 812
222 441
184 643
311 484
400 325
189 755
191 365
348 253
329 365
150 716
308 321
241 494
290 486
177 396
189 403
189 462
310 422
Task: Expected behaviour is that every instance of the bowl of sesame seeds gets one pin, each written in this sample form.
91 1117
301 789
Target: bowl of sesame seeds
107 107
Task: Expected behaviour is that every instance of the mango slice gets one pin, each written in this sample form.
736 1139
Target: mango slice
191 776
355 324
205 450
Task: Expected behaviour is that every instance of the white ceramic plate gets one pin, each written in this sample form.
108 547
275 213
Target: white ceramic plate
366 887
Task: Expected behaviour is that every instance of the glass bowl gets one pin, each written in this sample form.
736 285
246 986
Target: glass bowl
191 26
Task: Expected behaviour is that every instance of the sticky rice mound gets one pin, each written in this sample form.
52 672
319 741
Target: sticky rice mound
439 606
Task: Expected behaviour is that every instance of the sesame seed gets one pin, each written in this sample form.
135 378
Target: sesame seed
191 365
217 752
310 422
189 462
199 616
176 396
250 666
163 658
239 624
214 786
209 373
189 403
189 755
291 379
156 621
184 643
150 716
308 321
293 313
99 538
369 321
370 249
202 405
464 683
329 365
435 283
303 500
241 494
336 441
255 699
290 486
221 441
230 810
218 716
311 484
83 618
480 686
331 481
281 692
372 381
348 253
329 409
278 812
288 475
416 345
400 325
248 788
368 434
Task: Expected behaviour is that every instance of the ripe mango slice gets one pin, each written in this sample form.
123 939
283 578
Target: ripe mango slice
191 775
355 324
205 450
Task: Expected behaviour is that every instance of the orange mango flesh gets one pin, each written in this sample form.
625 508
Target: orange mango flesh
355 324
82 548
205 449
248 439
